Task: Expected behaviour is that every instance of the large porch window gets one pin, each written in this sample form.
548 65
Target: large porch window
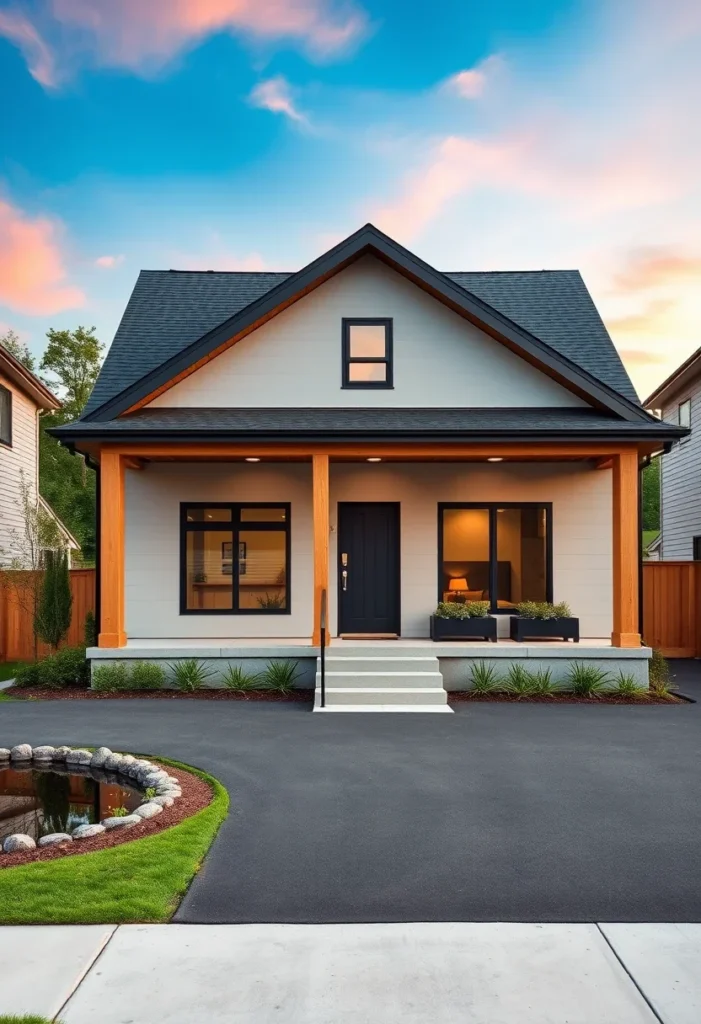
497 553
234 559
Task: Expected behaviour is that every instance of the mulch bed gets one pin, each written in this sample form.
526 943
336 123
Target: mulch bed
36 693
196 795
564 698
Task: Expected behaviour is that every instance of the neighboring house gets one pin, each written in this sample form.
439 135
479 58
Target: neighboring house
678 401
23 398
371 429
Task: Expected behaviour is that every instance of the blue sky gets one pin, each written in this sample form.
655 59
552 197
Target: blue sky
253 134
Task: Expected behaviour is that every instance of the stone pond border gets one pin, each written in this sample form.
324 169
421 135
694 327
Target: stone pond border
146 775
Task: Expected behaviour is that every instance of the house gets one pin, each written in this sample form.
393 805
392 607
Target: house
678 401
374 432
23 398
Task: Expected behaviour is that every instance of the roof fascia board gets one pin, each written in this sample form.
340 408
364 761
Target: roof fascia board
27 382
369 239
684 375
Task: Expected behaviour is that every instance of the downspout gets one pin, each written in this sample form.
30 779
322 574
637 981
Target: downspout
641 600
98 517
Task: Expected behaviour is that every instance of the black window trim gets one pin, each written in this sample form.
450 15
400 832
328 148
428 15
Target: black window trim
696 548
7 442
234 527
387 359
491 507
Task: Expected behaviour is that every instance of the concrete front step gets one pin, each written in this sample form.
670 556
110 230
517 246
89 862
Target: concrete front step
382 680
384 695
367 663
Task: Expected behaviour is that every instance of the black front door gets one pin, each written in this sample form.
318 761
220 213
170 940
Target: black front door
368 568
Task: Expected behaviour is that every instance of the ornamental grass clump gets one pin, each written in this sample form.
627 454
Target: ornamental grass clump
519 681
280 676
238 679
484 678
543 610
626 685
460 610
543 683
587 680
660 678
190 674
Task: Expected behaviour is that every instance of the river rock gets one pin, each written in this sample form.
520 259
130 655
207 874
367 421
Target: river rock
124 822
113 762
60 753
79 756
22 752
4 754
163 801
87 831
153 779
148 810
99 757
17 842
55 837
43 753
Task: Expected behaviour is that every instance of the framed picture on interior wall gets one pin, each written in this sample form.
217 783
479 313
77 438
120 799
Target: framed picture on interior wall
242 558
227 554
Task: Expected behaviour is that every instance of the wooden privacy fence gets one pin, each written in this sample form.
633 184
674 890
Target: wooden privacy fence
16 629
672 608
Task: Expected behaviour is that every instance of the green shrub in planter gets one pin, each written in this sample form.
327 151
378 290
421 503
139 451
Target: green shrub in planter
146 675
543 610
456 610
110 678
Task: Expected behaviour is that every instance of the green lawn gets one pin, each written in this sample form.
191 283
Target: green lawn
648 537
8 670
31 1019
135 882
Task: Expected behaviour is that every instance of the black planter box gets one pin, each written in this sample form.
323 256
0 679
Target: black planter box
544 629
464 629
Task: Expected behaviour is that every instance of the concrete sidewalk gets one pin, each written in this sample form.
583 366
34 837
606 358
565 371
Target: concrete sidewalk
348 974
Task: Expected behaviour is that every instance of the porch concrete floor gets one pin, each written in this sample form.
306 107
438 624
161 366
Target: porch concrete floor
500 812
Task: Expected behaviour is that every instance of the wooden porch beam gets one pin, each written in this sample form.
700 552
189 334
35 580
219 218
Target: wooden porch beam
111 626
320 485
626 555
133 463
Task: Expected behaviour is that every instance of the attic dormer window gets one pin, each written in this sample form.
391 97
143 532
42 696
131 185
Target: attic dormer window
367 353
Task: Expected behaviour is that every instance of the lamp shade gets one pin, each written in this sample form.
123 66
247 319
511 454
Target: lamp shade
460 583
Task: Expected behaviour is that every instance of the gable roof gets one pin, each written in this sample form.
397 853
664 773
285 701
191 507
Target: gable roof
26 381
177 320
684 376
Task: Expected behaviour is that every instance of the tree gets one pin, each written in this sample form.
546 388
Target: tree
72 360
18 349
55 605
651 495
72 363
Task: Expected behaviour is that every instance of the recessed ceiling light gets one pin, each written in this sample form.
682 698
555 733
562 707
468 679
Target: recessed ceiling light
375 458
495 458
252 458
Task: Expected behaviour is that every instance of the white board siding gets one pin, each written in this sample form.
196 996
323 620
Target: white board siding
440 359
582 536
680 482
20 458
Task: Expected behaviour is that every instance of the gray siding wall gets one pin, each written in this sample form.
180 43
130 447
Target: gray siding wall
20 458
681 482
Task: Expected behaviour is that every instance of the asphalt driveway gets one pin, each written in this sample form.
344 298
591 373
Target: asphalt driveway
497 813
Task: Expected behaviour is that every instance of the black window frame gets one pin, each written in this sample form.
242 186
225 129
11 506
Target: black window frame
686 402
7 441
696 548
492 507
348 360
235 526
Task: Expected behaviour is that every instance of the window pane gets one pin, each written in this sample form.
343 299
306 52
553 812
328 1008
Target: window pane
263 515
367 372
367 340
465 554
262 570
685 413
5 415
208 569
521 556
209 515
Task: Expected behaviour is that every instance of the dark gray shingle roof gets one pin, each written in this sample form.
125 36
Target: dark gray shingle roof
454 424
170 310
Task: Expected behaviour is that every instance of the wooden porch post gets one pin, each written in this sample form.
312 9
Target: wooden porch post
320 487
626 556
111 626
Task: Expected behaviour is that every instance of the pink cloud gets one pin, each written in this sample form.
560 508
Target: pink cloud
651 267
32 269
19 30
275 95
470 84
108 262
143 35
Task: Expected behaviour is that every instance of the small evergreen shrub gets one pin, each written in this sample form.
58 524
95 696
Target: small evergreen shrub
110 678
543 610
239 679
280 676
90 630
659 675
66 668
190 674
457 610
28 675
146 675
53 617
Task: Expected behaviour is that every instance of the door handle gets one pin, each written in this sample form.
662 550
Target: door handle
344 580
